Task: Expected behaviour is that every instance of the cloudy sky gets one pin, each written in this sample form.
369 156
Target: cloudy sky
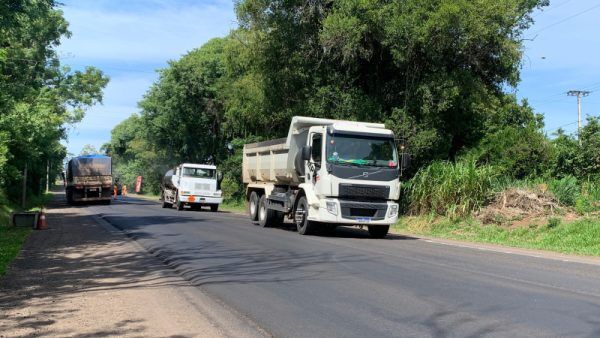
130 39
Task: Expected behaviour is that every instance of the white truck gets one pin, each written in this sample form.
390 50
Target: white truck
191 184
325 173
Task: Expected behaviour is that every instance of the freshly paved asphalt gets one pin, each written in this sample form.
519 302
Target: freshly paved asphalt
348 285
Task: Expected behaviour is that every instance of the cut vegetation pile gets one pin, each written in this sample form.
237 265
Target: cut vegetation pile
516 204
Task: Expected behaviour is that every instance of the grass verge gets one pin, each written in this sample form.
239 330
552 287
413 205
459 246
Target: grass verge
12 238
235 206
581 237
11 241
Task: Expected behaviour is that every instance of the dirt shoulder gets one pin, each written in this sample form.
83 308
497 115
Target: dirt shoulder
83 278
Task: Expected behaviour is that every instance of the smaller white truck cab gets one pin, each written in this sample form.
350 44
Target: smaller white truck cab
191 184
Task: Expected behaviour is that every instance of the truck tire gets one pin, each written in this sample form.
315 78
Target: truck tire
214 208
69 197
253 206
179 205
305 227
267 217
378 231
165 204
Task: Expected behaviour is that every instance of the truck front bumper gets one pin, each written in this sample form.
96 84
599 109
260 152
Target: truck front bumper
354 212
197 199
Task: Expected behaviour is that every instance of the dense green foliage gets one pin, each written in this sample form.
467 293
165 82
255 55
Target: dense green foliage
37 95
11 241
434 71
451 188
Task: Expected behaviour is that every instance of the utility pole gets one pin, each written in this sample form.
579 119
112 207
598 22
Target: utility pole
47 176
24 197
579 94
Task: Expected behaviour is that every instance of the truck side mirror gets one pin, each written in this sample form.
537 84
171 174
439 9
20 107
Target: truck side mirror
404 161
306 151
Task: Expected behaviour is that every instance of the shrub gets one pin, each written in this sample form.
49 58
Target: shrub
453 189
566 190
230 187
515 152
580 158
553 222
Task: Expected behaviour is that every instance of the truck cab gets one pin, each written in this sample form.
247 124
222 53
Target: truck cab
191 184
353 173
324 174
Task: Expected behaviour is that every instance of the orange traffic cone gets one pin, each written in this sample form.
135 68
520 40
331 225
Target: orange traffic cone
41 224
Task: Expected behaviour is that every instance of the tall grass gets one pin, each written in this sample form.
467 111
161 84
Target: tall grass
453 189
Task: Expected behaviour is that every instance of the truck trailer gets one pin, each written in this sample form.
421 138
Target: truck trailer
89 178
325 173
191 184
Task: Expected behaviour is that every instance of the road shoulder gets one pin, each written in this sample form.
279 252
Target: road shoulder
504 249
85 278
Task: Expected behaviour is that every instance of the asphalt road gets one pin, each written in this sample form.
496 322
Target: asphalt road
348 285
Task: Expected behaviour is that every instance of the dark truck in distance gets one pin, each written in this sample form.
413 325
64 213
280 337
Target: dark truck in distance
89 178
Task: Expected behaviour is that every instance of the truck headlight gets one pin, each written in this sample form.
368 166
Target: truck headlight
393 210
217 193
331 208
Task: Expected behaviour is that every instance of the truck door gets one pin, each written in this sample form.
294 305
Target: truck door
315 165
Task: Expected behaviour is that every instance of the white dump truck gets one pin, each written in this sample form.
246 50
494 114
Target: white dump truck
325 173
191 184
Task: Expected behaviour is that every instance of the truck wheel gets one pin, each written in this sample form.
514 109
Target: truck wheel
69 197
253 206
267 217
214 208
179 205
305 227
165 204
378 231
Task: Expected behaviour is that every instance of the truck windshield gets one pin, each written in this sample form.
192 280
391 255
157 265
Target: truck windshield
361 151
198 172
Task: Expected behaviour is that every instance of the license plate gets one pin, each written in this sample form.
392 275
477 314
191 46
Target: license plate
93 189
364 220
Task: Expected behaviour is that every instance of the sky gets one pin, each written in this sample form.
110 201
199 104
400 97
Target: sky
129 40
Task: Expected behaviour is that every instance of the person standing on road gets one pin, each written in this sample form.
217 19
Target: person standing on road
123 191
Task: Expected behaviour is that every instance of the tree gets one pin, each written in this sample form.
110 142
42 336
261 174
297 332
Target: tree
579 159
426 67
37 95
88 149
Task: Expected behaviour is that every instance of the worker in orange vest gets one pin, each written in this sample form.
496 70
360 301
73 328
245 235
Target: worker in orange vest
124 191
115 192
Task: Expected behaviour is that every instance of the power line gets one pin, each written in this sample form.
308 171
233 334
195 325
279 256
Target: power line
591 88
559 127
565 19
550 8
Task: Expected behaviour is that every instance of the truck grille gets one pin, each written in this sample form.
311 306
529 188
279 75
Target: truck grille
354 210
202 187
364 191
